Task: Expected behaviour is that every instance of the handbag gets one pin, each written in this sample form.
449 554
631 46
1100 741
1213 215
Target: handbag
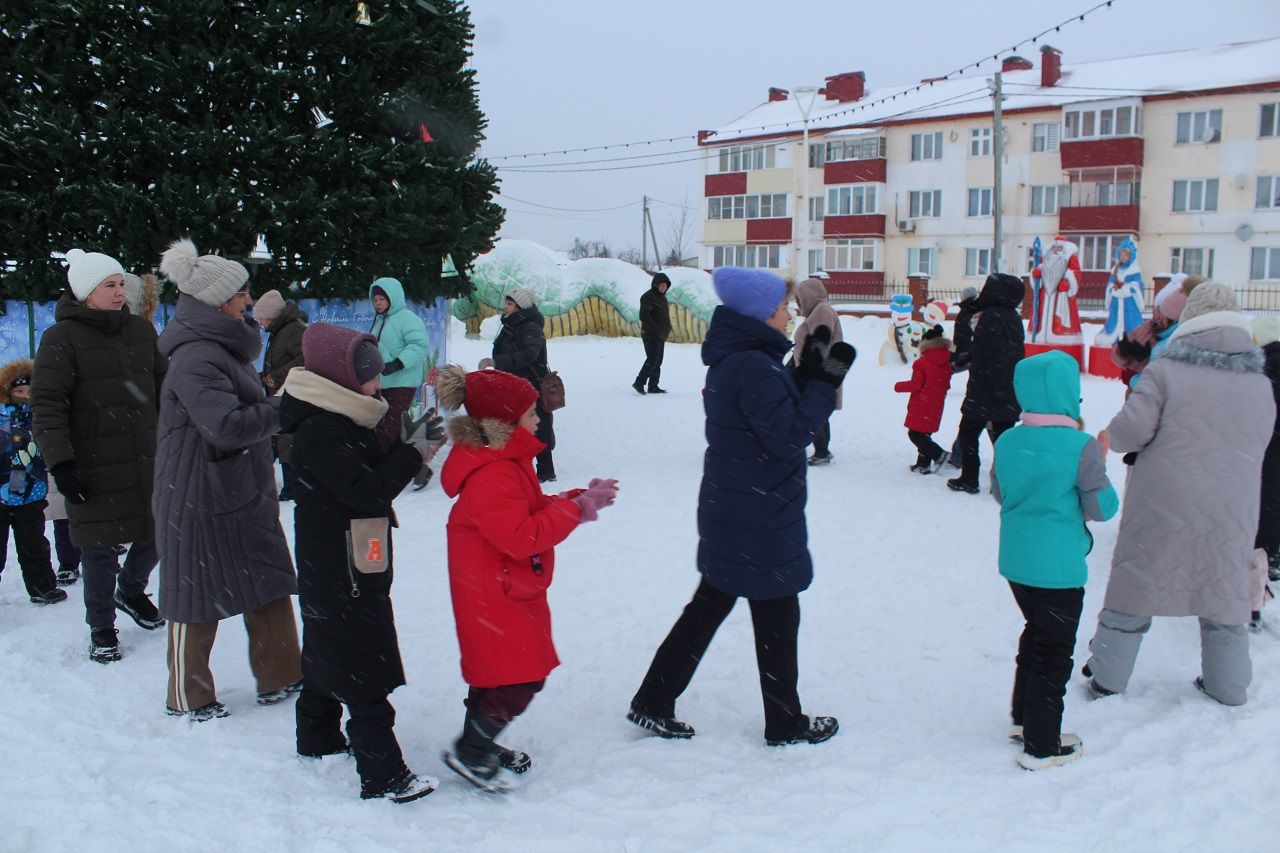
551 391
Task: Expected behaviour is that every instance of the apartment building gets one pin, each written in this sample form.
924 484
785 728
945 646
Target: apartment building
1179 150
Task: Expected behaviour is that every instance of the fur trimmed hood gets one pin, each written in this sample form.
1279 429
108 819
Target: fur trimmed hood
10 372
478 442
934 343
480 432
1249 361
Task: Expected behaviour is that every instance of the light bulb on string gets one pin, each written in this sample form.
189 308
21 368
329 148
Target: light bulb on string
362 15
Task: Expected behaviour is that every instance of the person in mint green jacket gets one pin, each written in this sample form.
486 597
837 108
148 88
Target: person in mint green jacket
403 342
1050 478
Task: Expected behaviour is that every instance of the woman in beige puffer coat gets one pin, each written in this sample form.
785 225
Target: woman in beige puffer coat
811 299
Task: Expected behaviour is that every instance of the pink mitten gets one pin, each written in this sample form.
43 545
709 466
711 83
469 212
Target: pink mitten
598 495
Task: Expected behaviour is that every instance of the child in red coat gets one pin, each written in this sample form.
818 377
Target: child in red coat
502 532
930 380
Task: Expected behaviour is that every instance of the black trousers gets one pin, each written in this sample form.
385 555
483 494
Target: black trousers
545 433
929 450
370 728
822 440
776 622
68 553
27 522
967 442
651 370
1044 663
101 573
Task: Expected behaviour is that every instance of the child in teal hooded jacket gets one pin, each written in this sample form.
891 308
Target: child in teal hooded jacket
403 342
1049 477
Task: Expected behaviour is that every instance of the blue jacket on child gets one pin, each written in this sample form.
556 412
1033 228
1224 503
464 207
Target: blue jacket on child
1049 479
23 479
752 539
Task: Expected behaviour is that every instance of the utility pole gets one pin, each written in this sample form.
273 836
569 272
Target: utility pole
997 152
644 225
805 97
653 236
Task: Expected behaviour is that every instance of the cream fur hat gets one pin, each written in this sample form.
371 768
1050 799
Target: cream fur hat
209 278
86 270
268 307
1210 297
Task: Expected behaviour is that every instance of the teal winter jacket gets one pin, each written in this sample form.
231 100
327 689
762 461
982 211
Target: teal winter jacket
1049 479
402 337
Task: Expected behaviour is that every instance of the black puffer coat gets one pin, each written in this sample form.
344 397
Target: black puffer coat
1269 522
284 346
521 346
997 349
655 314
962 336
349 645
94 395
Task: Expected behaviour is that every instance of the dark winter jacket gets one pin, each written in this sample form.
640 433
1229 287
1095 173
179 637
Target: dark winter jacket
340 472
997 349
284 346
1269 522
751 526
521 346
222 550
502 536
94 393
930 380
962 335
655 314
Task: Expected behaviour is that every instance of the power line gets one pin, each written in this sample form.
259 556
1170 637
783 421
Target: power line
569 209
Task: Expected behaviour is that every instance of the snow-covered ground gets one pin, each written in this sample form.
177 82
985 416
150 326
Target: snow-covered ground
908 637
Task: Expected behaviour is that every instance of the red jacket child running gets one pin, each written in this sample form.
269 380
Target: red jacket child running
930 380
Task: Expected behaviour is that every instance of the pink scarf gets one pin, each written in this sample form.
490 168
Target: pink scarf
1037 419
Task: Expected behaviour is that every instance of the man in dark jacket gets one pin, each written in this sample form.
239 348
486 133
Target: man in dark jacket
94 397
962 336
655 328
521 349
285 322
989 398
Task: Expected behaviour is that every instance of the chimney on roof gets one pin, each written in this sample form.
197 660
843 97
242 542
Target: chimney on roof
849 86
1050 66
1016 63
702 136
776 94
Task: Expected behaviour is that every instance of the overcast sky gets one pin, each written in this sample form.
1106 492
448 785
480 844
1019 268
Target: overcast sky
562 74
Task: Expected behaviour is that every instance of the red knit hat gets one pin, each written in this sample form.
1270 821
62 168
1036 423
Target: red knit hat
499 395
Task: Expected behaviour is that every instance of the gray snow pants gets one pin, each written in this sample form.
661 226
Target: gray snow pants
1224 655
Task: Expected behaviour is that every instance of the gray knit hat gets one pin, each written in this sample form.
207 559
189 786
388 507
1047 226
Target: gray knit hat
209 278
1209 297
523 297
268 307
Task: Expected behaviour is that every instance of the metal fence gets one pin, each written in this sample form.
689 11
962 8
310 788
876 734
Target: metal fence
1254 298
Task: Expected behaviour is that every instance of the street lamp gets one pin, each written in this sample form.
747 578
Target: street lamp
804 97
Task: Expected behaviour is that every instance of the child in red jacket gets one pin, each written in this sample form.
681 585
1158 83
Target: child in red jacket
930 380
502 532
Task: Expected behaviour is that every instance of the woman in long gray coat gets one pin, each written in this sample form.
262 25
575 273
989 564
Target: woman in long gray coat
222 550
815 307
1199 422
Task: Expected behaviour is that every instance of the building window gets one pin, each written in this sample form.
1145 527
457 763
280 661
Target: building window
1264 264
1045 136
926 146
1268 192
980 201
747 158
750 255
1102 187
925 204
852 200
1191 261
771 206
922 261
1198 127
817 208
815 260
1099 123
1269 121
1195 196
817 155
871 148
1097 251
1046 199
977 262
980 142
853 255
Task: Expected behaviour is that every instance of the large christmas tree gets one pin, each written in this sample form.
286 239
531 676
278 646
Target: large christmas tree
345 133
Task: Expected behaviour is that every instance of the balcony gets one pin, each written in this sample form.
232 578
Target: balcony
732 183
1101 200
863 225
776 230
1110 151
855 171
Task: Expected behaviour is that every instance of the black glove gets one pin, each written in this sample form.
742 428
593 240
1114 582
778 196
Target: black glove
428 429
823 361
837 363
68 483
393 366
811 356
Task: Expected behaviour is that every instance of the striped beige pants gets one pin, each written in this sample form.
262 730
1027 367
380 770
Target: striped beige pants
274 655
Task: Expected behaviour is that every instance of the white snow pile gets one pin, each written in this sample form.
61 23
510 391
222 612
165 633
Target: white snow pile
908 637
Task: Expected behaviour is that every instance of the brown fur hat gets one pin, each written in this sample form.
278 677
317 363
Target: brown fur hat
11 373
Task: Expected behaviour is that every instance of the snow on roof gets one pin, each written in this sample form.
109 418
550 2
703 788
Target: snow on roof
1198 69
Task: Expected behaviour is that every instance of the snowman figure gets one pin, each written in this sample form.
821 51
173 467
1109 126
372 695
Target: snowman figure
904 334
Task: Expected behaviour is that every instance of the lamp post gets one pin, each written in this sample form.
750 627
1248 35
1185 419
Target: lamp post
804 97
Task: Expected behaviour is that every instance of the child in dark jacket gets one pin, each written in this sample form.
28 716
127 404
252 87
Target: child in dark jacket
344 484
1050 477
930 380
23 486
502 536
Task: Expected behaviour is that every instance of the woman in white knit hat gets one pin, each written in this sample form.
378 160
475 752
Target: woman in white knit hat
223 551
94 391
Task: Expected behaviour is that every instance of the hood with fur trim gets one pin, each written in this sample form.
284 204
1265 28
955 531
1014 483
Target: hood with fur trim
934 343
478 442
10 372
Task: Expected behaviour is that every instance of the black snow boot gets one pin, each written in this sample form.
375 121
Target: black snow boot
478 759
140 610
664 727
49 596
104 647
67 575
819 730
